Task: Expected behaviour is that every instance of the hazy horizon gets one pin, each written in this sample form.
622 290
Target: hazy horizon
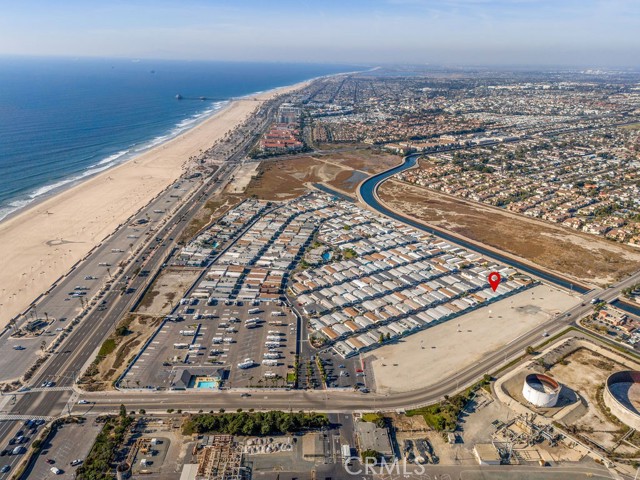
569 33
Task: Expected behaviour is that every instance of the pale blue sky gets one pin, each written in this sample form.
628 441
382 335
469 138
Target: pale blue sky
560 32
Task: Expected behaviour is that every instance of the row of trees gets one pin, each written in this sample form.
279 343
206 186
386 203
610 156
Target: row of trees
97 465
258 423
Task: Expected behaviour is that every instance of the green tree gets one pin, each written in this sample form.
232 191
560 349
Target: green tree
369 453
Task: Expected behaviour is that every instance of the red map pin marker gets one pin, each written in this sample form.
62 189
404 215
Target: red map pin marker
494 280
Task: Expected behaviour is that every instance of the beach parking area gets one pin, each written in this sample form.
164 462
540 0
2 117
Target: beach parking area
436 353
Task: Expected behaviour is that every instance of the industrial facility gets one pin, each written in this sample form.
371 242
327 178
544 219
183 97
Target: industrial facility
622 396
541 390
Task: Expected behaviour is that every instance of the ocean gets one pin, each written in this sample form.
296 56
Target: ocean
62 120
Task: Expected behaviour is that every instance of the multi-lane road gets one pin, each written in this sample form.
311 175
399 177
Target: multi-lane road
80 347
347 401
63 303
164 226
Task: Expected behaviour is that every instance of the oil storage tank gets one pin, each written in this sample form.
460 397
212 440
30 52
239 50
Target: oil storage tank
622 396
541 390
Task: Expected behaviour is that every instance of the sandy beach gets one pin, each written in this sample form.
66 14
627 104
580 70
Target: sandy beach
44 241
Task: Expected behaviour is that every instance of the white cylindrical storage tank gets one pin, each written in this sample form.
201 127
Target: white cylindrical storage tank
541 390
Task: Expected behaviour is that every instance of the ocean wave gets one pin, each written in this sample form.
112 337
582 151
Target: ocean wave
113 158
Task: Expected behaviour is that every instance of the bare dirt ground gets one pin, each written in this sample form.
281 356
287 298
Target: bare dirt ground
585 257
242 178
167 289
286 179
453 345
289 177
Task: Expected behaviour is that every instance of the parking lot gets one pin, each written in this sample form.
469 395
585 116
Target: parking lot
220 337
71 441
342 373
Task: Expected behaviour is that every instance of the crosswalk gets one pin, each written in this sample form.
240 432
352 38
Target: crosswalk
11 418
47 389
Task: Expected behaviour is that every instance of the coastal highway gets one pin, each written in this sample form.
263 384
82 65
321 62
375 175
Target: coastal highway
347 401
79 348
59 307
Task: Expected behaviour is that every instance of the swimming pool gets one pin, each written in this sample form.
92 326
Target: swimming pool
206 383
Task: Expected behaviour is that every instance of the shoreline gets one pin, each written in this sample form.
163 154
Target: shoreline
144 147
147 146
47 237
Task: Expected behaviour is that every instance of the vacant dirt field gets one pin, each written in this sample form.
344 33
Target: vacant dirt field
166 290
456 344
242 178
587 258
288 178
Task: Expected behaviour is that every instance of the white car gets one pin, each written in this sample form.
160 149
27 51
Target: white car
83 402
55 470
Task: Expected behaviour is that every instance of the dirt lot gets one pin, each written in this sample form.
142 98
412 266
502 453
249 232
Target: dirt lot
166 290
454 345
586 257
287 178
242 178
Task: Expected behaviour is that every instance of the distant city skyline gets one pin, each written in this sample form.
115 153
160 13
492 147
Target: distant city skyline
457 32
